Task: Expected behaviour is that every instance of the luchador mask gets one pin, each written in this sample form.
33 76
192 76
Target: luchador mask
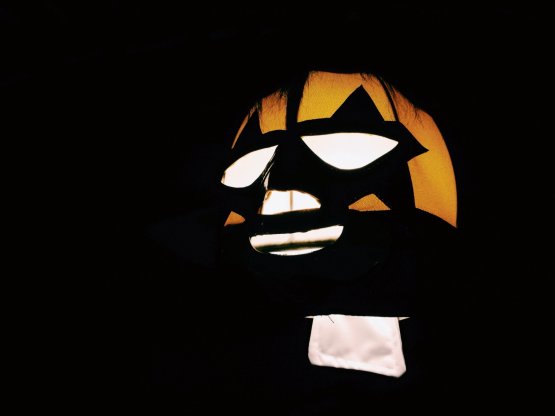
324 183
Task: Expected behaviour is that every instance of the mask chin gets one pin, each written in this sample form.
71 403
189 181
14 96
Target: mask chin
374 268
304 247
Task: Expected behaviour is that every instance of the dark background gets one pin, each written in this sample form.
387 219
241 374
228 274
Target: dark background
123 113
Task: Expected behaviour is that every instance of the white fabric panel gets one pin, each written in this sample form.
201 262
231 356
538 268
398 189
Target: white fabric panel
365 343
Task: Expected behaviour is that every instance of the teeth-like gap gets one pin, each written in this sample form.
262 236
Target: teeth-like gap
295 244
277 202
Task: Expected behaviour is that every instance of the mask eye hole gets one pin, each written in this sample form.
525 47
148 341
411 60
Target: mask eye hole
349 151
245 170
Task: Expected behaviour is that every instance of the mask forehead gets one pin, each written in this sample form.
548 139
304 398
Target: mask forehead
271 114
325 92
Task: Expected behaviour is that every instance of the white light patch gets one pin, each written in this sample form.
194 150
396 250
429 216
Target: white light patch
349 151
278 202
244 171
294 244
364 343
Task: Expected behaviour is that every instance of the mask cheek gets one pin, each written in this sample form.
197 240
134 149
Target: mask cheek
369 203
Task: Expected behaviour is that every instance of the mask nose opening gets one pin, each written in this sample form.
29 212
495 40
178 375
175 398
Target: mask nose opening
279 202
293 243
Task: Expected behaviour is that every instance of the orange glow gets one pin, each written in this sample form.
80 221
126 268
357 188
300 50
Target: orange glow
233 218
242 127
273 107
432 172
324 92
433 178
369 203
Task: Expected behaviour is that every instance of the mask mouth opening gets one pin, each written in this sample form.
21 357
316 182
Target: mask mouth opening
296 243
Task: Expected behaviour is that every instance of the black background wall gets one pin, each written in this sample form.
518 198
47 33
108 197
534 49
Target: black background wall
123 112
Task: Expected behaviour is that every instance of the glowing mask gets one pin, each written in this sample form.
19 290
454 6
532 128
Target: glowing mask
319 179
